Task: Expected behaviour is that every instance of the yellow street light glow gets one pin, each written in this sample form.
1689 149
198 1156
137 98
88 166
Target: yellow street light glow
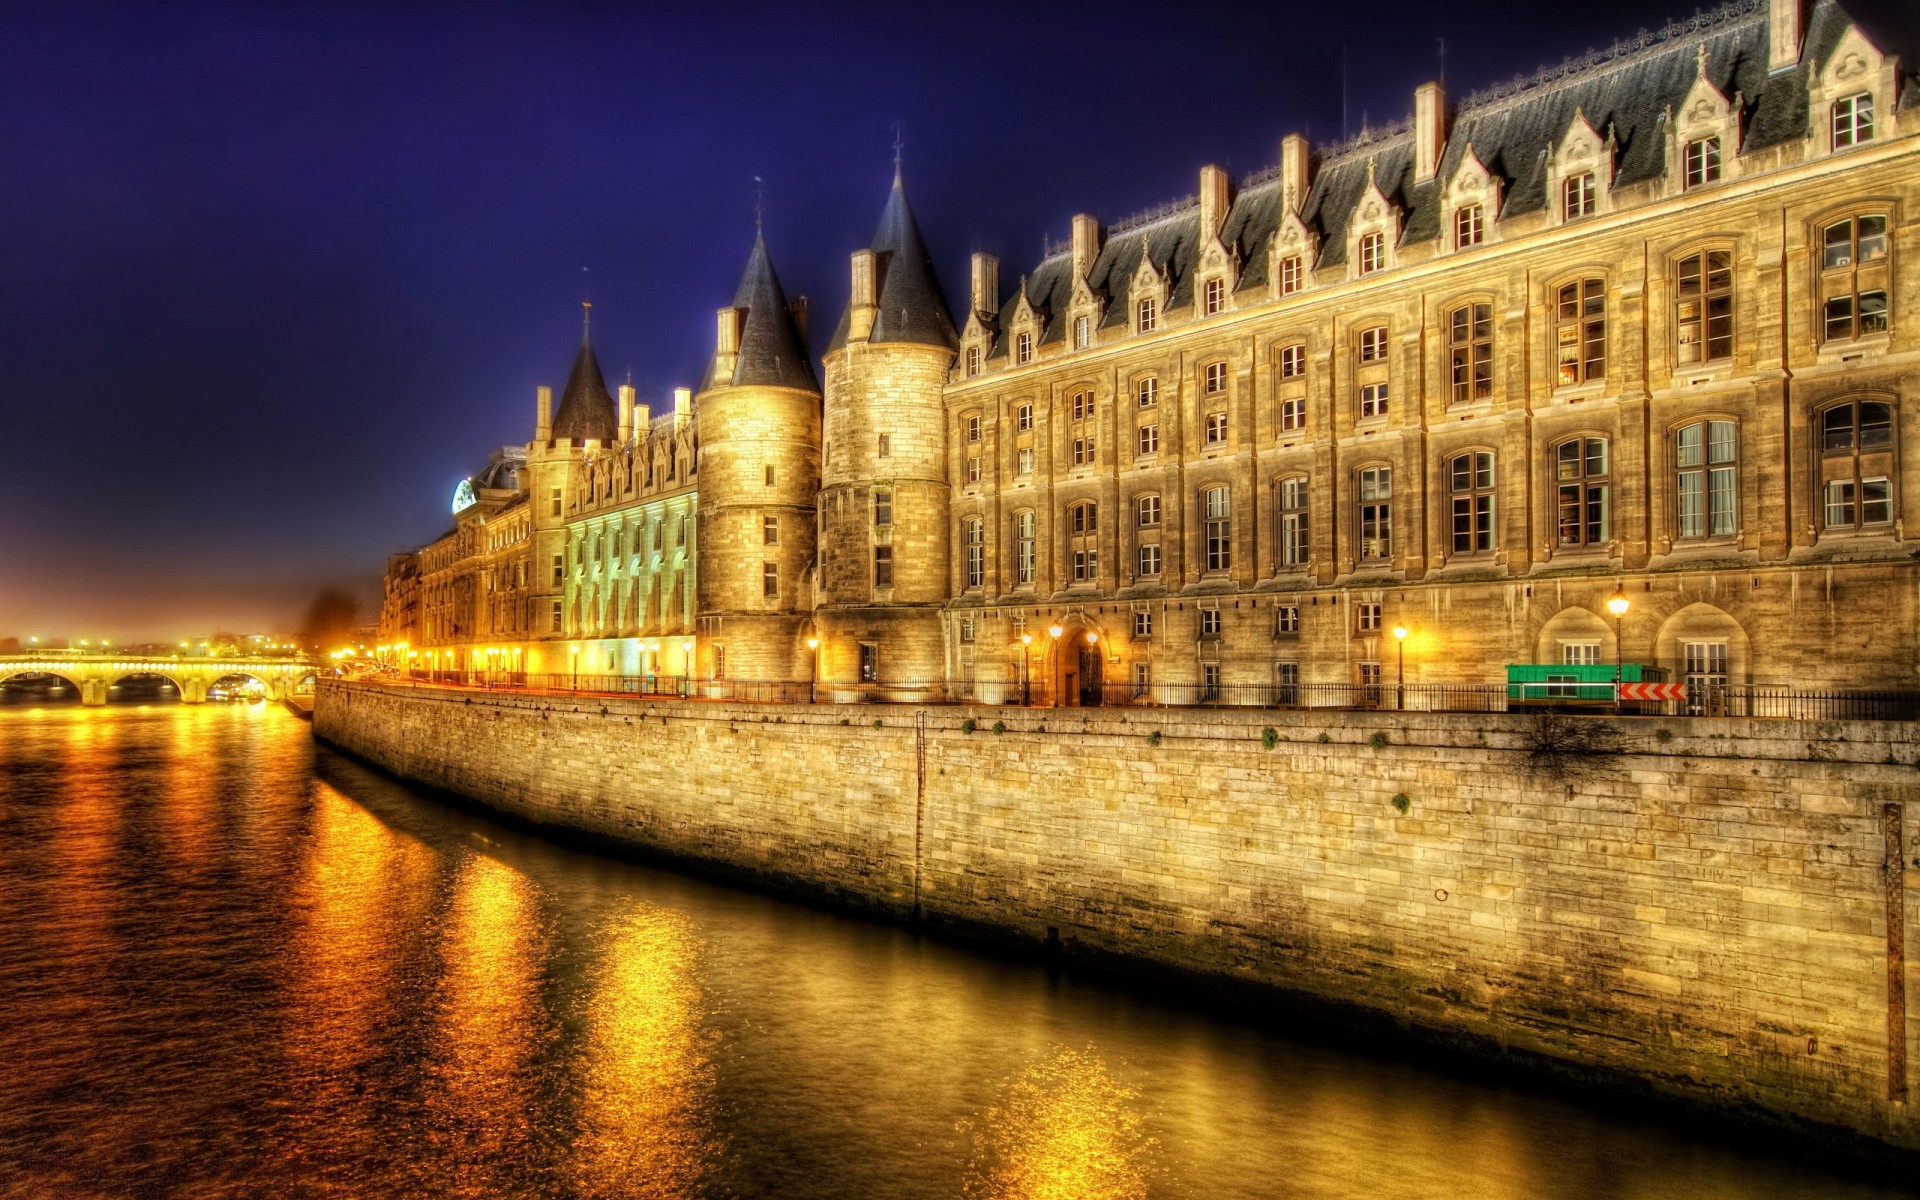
1092 637
813 643
687 646
1400 632
1054 631
1026 639
1617 604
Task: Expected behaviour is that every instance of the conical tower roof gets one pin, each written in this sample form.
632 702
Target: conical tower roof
912 307
772 353
586 409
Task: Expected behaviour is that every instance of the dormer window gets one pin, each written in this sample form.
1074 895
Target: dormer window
1467 230
1577 196
1082 333
1853 121
973 361
1703 161
1214 296
1373 253
1023 349
1289 274
1146 315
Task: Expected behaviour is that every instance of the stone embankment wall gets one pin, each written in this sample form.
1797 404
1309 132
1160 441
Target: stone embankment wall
1717 908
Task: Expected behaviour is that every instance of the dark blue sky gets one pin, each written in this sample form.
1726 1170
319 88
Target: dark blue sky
274 278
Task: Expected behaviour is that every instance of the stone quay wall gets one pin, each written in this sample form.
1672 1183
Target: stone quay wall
1716 909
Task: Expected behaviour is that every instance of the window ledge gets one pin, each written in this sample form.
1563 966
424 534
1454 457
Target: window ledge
1574 393
1840 350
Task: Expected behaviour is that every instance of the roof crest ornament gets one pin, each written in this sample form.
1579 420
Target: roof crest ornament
899 150
759 205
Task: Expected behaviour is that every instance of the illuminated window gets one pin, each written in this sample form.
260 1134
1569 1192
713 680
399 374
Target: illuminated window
1286 621
1023 547
1580 331
976 540
1703 308
1580 473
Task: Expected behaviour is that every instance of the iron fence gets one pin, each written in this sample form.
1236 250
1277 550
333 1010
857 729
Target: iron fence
1756 700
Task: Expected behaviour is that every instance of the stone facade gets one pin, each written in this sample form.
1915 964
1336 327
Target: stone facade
1717 910
1631 331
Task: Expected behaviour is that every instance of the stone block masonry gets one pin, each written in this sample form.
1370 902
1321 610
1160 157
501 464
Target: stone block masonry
1718 909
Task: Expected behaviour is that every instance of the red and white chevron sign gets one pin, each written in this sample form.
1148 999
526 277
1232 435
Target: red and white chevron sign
1653 691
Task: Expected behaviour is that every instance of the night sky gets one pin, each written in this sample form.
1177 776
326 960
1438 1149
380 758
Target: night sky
274 278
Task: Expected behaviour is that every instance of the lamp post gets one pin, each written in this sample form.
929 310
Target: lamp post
1054 633
1400 672
1617 604
573 663
813 680
1026 667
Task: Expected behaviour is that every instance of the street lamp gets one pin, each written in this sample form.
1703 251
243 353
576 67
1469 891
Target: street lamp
1617 604
1400 672
1026 654
813 681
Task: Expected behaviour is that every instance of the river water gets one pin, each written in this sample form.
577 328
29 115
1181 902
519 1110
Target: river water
233 964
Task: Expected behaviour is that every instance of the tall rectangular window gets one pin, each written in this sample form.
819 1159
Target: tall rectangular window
1580 471
770 580
1854 279
1376 514
1023 418
1023 461
973 468
1286 621
1218 529
976 552
1294 530
1082 333
1470 348
1023 348
1215 296
1143 623
1146 315
1293 361
1290 275
1216 428
1216 378
882 506
973 427
1023 564
553 500
1366 617
882 449
1147 512
1083 452
1146 392
1148 560
770 531
1706 454
1580 331
973 361
1373 400
1466 226
1703 308
1577 196
1149 440
883 566
869 663
1373 253
559 568
1470 479
1209 622
1293 414
1373 344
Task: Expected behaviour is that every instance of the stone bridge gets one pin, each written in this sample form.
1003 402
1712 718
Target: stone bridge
93 674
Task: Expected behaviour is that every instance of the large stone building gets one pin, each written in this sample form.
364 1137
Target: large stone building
1632 330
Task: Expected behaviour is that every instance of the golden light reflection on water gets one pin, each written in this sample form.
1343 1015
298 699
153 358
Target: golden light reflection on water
1064 1129
646 1126
487 1031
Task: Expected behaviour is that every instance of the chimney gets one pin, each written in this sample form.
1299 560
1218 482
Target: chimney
543 414
1213 200
797 309
1294 168
1429 130
1786 24
865 296
626 414
985 270
642 421
1086 243
682 403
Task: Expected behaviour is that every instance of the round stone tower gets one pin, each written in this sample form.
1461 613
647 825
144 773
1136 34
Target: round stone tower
884 493
758 414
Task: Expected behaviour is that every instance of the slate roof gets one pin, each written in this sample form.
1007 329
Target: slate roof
1511 131
912 308
772 352
586 410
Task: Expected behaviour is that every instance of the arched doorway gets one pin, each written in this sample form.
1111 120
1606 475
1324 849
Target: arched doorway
1079 670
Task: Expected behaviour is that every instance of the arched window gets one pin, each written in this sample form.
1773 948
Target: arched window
1856 465
1706 459
976 538
1023 547
1470 347
1294 544
1470 484
1703 307
1581 475
1374 500
1083 551
1217 504
1580 331
1147 512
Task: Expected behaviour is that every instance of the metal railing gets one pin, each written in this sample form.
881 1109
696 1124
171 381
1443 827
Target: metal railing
1758 701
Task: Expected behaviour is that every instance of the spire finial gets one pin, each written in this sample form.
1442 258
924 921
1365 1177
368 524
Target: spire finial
1700 59
899 148
759 205
586 320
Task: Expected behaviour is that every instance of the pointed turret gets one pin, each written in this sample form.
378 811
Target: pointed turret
770 350
908 303
586 407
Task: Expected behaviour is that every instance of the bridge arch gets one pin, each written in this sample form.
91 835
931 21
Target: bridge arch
119 675
76 685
